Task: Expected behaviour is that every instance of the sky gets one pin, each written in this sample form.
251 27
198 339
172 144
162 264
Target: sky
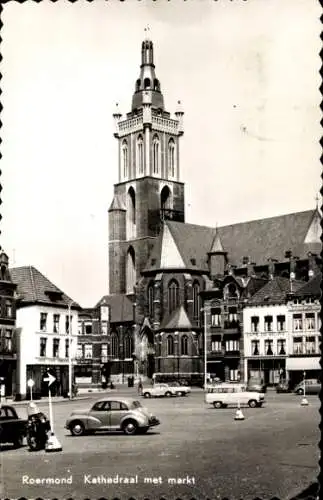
246 72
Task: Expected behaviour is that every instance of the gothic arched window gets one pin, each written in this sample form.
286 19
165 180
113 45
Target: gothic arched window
171 158
124 154
131 270
170 345
196 299
173 296
140 155
150 297
131 213
128 346
114 346
184 345
156 154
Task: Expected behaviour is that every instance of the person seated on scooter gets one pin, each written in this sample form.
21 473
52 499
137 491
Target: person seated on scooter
34 413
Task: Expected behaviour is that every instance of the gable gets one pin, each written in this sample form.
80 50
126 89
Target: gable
170 255
314 232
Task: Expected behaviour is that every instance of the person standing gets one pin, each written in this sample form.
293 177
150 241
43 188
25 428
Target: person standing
140 387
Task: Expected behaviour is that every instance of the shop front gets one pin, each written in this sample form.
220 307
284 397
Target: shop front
299 367
270 371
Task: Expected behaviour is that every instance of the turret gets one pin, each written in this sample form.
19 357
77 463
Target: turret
217 257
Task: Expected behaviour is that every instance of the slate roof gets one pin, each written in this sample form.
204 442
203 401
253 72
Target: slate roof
178 320
312 287
121 307
117 204
275 291
34 288
259 240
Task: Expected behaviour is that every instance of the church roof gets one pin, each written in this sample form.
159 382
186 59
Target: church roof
33 287
259 240
117 203
178 320
275 291
121 307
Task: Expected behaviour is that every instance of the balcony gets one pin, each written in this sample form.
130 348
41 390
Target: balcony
232 326
8 348
232 354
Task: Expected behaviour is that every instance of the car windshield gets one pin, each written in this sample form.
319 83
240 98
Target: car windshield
135 404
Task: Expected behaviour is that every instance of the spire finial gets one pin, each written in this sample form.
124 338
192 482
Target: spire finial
317 201
147 30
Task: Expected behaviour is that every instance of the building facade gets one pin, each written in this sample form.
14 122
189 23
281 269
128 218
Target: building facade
47 321
8 332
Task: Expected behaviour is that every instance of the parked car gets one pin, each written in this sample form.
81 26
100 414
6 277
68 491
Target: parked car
256 385
283 387
222 395
12 428
127 415
180 389
312 386
160 390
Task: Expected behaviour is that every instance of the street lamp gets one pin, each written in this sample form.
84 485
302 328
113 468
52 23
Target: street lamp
205 310
70 350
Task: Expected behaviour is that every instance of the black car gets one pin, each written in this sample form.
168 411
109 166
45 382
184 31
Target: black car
12 428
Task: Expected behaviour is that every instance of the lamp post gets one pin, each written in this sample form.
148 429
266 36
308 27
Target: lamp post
205 310
70 375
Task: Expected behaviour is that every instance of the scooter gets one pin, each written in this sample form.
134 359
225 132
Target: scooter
38 427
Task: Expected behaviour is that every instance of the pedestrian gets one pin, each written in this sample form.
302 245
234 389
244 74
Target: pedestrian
140 387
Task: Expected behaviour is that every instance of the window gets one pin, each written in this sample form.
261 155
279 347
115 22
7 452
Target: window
310 347
67 324
8 308
281 323
104 352
124 153
131 270
56 323
196 300
170 346
268 323
310 321
255 347
268 347
88 351
104 328
234 375
43 322
171 158
298 345
43 342
80 351
216 317
156 151
297 322
8 340
67 345
173 296
150 294
281 347
184 345
216 345
233 315
140 155
55 348
88 328
114 346
254 324
128 347
80 328
232 345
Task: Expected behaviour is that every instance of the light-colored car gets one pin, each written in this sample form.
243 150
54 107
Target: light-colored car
222 395
111 414
312 386
159 390
180 389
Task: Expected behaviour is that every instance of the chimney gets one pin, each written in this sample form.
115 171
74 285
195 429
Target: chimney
246 261
312 265
230 269
271 268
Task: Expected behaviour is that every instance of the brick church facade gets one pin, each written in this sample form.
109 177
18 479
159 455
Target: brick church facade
169 269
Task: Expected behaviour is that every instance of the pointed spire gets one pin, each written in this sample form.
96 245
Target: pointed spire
217 246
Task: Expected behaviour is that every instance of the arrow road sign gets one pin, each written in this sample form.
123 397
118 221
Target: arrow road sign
50 379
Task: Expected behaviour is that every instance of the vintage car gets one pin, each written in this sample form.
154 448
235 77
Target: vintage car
111 414
312 386
12 428
160 390
180 389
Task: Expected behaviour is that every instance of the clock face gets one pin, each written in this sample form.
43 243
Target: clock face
105 313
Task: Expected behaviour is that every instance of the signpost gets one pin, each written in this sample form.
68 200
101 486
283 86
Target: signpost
52 443
31 384
304 401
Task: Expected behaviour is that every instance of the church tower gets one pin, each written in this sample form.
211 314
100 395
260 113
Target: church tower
149 188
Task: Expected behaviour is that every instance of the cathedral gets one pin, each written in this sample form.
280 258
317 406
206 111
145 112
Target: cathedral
166 269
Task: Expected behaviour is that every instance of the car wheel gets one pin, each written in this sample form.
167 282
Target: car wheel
252 403
18 442
217 404
168 394
147 395
300 391
130 427
77 428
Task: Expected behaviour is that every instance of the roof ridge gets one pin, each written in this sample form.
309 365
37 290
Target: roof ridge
31 269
